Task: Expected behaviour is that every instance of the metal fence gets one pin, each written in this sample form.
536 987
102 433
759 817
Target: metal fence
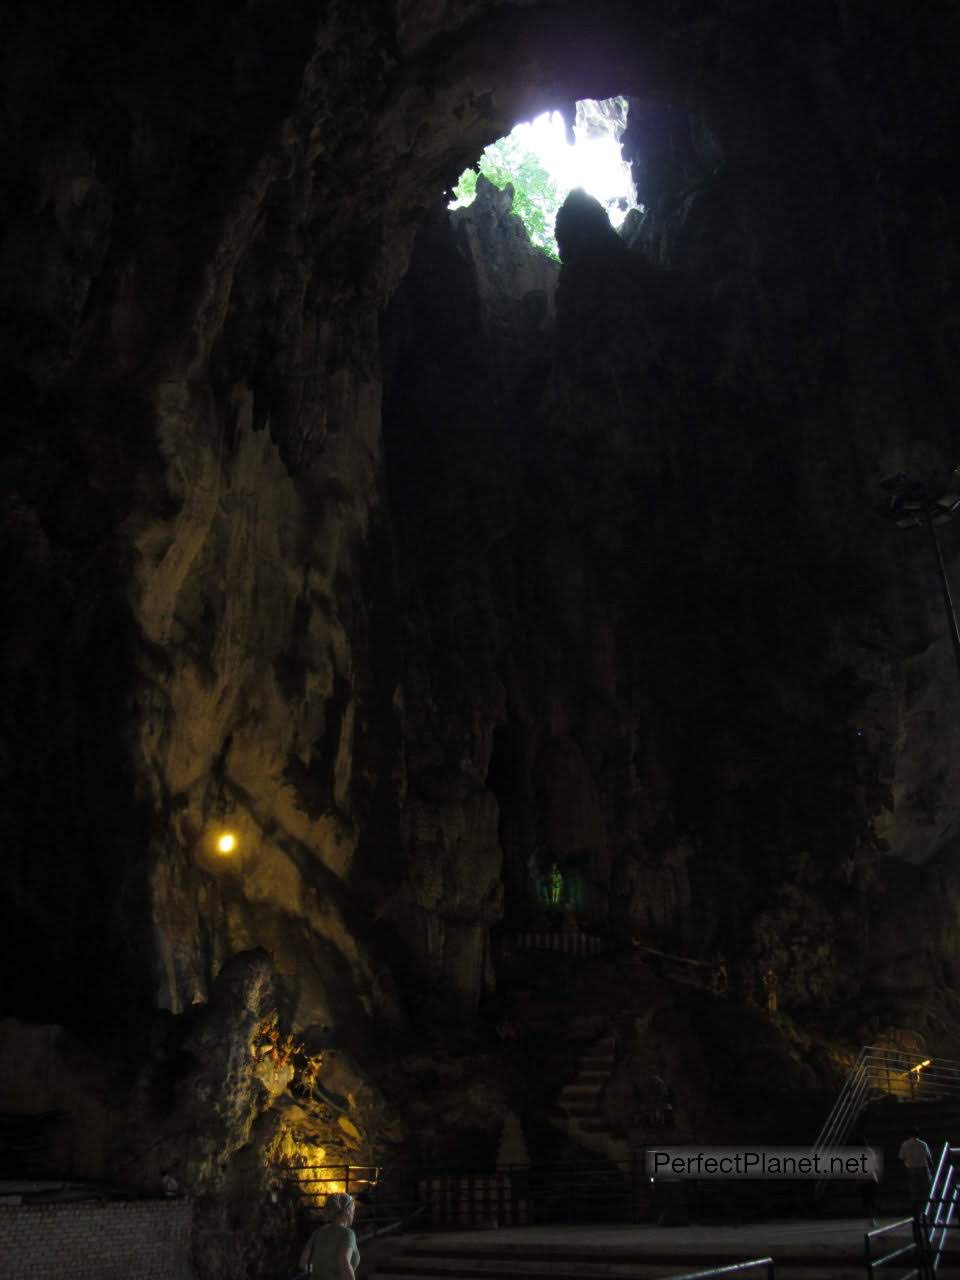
899 1256
928 1229
939 1215
589 1191
513 1195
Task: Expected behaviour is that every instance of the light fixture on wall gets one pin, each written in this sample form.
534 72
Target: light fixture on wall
222 831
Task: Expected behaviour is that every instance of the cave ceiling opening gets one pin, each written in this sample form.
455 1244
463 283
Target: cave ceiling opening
544 159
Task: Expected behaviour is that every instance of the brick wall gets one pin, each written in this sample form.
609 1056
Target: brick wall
96 1240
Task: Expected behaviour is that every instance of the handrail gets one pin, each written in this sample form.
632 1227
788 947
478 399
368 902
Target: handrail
945 1205
891 1071
891 1226
844 1112
399 1225
942 1202
929 1226
464 1196
734 1269
885 1259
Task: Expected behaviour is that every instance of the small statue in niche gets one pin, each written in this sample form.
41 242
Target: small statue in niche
310 1072
770 988
555 886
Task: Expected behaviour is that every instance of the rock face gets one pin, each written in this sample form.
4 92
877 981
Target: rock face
430 591
584 231
465 338
214 1096
619 620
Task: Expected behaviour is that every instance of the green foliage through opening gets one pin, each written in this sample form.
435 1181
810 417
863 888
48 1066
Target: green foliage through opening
536 197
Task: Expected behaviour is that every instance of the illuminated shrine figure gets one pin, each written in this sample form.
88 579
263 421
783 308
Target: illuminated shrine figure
555 886
770 986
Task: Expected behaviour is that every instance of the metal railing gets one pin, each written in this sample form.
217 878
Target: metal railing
571 1191
734 1269
587 1190
562 1191
937 1215
380 1210
389 1224
319 1181
885 1072
901 1255
928 1227
541 1193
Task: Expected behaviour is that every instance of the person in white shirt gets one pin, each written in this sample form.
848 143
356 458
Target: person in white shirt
915 1155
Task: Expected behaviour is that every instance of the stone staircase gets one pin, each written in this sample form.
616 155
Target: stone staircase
581 1110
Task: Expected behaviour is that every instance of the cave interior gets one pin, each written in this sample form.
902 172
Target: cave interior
425 659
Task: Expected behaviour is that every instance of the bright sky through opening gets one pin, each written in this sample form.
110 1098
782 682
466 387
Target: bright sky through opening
593 163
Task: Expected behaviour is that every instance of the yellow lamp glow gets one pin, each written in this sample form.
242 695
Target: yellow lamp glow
227 842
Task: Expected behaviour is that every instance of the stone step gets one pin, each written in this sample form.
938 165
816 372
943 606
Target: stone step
646 1269
596 1064
456 1263
588 1090
588 1124
518 1263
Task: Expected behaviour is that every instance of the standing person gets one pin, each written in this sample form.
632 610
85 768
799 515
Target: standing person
915 1155
331 1253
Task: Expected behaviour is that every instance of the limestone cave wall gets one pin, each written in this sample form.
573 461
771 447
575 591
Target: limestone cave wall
205 215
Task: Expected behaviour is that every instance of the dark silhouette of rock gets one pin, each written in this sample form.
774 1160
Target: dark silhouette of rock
583 229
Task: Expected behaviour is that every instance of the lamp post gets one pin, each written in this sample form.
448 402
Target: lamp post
913 503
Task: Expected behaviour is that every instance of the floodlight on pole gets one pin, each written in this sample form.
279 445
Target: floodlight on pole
913 503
